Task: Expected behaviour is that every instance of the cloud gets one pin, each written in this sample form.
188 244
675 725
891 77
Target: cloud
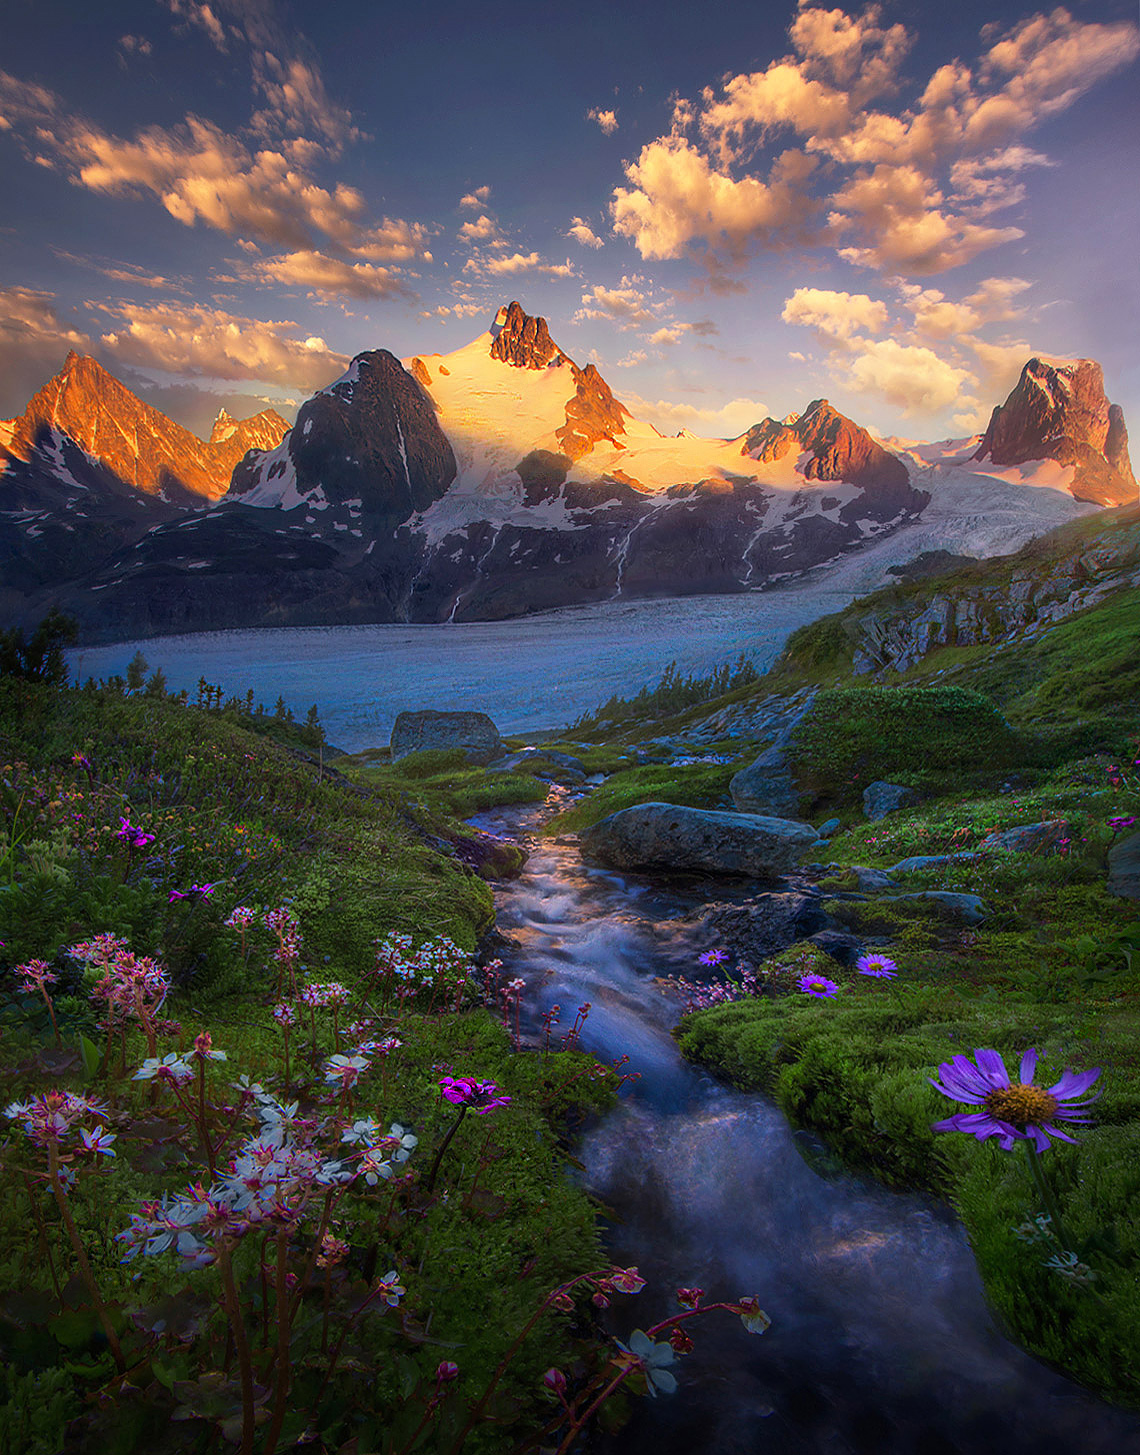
483 230
122 272
906 184
678 198
211 343
938 317
581 231
625 305
607 120
133 45
912 378
329 279
670 333
895 214
725 421
478 198
34 341
296 102
632 359
202 16
517 263
835 315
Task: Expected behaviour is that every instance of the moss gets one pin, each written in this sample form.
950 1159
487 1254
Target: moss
853 736
698 785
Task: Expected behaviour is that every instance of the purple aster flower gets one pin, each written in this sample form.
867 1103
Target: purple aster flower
1011 1111
1121 821
195 892
817 985
480 1096
881 966
713 957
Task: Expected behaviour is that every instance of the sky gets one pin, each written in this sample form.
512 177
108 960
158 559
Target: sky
731 210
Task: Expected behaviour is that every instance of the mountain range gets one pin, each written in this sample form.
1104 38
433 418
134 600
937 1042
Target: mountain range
497 480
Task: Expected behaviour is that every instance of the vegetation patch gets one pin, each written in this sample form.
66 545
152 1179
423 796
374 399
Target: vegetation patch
697 785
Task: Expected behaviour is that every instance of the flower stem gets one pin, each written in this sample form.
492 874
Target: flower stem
81 1254
443 1146
245 1365
1045 1192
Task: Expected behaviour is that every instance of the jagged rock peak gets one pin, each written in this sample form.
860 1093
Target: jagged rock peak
839 449
1058 410
592 415
519 339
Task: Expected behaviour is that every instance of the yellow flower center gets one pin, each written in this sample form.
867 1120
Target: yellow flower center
1020 1105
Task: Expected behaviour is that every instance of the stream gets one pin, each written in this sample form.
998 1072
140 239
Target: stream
881 1340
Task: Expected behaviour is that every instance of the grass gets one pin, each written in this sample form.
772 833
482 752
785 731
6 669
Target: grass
262 824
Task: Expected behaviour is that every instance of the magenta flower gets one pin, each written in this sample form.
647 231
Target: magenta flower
35 975
133 837
1120 821
818 985
194 893
479 1096
881 966
1011 1111
713 957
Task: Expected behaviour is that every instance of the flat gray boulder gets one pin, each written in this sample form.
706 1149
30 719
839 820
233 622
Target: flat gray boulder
766 786
930 861
710 841
966 907
1029 838
1124 868
881 798
421 732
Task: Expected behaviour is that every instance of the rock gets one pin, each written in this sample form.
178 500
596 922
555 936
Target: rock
1031 838
521 340
967 907
1124 867
881 798
841 945
671 837
839 450
929 861
832 826
138 444
766 785
766 925
592 414
490 857
419 732
869 880
1058 411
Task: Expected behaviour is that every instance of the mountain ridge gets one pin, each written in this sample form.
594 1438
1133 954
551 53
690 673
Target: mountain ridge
504 478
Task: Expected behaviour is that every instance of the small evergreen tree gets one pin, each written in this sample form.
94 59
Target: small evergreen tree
137 669
39 658
156 687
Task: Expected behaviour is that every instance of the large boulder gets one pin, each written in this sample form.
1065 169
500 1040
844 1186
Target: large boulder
766 925
419 732
766 786
1124 868
710 841
881 798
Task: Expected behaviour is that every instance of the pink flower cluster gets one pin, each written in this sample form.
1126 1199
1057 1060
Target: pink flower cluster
477 1096
132 987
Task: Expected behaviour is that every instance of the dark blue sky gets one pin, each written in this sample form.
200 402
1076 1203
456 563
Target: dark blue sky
731 211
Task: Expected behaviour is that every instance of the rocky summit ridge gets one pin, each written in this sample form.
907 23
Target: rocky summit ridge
501 479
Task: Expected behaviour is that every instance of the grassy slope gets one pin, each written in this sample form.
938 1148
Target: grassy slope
265 826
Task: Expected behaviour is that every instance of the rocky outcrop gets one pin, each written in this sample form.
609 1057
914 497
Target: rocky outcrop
420 732
371 438
521 340
767 785
764 926
838 449
135 442
1124 868
1058 411
592 415
880 798
697 840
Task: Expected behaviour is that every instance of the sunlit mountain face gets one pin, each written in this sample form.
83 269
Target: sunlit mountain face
892 207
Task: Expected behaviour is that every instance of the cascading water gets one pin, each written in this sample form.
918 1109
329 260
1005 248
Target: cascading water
881 1341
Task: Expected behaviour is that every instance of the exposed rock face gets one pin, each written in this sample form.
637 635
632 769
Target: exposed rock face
1124 868
372 437
593 414
766 925
840 450
1058 411
135 442
891 632
881 798
522 340
665 836
419 732
767 785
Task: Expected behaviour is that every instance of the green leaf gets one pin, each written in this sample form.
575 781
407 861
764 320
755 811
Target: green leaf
89 1054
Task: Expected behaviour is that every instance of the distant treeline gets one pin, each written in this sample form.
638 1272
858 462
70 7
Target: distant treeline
672 694
39 658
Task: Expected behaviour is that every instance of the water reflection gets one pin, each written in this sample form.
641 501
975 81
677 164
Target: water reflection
881 1341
